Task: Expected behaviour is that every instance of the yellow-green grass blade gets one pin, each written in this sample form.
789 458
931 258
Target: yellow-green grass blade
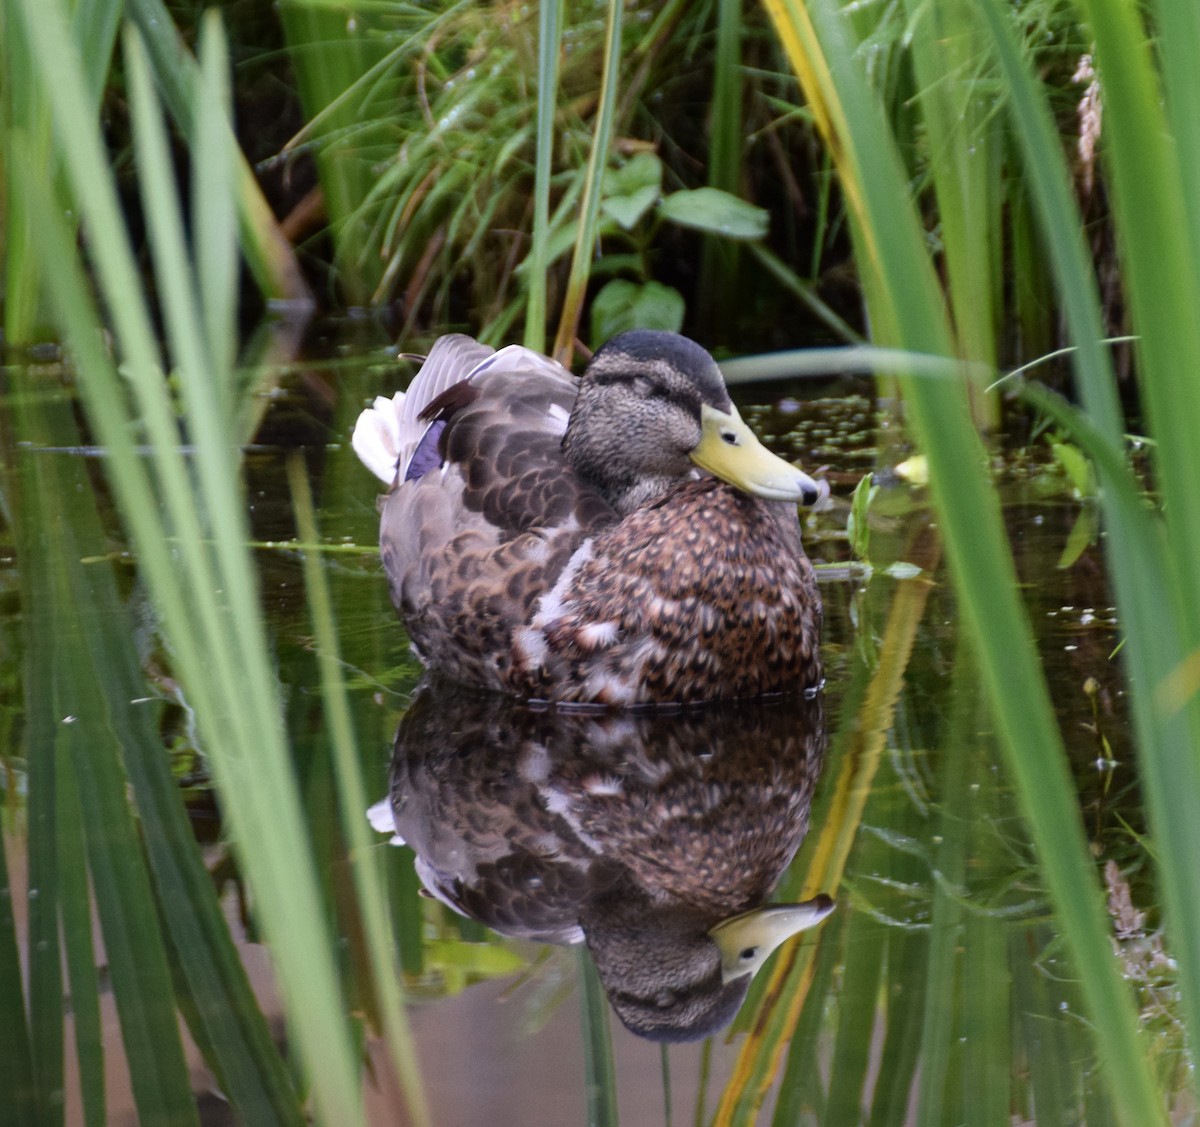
956 112
907 310
365 856
207 598
1149 562
86 747
214 213
589 206
269 254
223 1012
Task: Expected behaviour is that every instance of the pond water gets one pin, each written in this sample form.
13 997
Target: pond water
937 990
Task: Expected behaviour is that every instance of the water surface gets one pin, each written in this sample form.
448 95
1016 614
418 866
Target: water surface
937 991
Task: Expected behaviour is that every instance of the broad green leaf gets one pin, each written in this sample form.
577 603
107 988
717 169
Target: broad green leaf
628 209
714 211
623 305
642 170
631 190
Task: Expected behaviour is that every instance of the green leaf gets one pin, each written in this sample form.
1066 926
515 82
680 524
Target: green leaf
1083 533
1077 468
623 305
631 190
858 530
714 211
642 170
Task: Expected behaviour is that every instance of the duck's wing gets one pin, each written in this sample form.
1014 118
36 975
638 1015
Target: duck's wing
486 512
388 433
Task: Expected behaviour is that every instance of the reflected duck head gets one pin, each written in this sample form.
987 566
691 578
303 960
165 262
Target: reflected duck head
671 974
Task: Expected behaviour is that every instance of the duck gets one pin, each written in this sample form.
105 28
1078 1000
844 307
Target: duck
653 838
618 539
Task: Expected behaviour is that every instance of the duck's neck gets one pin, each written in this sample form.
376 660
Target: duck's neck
614 461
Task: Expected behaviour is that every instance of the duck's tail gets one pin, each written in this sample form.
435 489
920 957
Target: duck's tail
388 431
376 437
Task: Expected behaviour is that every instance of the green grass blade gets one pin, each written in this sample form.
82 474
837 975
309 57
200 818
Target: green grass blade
1147 561
45 976
857 1005
549 47
1162 277
16 1057
224 1013
214 210
95 23
252 1073
1178 46
1046 1051
366 857
599 1068
331 52
123 897
24 113
899 1061
956 115
906 307
207 596
75 907
269 254
589 206
720 257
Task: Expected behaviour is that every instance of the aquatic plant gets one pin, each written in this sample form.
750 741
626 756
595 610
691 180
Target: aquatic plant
1152 552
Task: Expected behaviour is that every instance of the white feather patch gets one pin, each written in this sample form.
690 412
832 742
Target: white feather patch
376 437
597 635
383 820
559 416
550 605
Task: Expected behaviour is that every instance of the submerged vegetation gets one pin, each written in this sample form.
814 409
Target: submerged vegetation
920 175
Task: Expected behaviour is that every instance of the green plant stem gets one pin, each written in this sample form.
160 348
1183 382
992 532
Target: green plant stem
589 208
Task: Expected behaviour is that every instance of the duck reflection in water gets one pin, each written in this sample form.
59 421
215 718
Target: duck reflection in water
653 837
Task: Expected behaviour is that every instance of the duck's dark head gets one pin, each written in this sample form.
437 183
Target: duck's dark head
671 973
653 405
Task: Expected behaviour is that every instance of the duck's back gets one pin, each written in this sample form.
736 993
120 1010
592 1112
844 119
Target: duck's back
485 512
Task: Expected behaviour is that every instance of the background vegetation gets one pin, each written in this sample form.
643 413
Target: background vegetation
966 185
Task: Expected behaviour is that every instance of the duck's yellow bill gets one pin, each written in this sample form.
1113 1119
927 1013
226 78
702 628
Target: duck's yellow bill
730 450
745 941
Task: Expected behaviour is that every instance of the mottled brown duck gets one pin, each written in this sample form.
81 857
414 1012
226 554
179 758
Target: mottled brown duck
622 538
653 837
